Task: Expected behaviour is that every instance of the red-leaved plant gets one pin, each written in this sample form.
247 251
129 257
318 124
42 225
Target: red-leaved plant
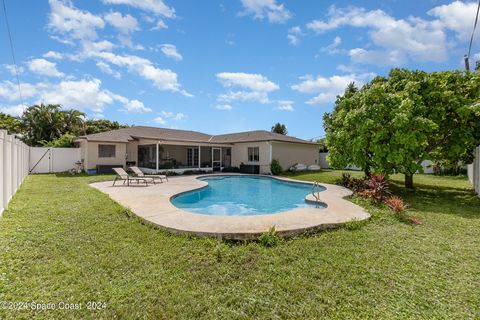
380 189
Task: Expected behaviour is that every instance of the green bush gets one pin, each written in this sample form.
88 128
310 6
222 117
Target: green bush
275 167
269 238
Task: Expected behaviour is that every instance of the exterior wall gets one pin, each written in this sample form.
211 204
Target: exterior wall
289 154
92 158
14 156
240 155
132 151
474 171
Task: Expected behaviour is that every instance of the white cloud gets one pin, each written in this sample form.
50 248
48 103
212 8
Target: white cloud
103 45
105 68
135 106
53 55
11 69
163 79
332 48
159 25
125 24
269 9
81 94
457 16
418 39
174 116
73 23
294 35
257 85
160 120
285 105
16 110
328 88
252 81
44 67
377 57
157 7
170 51
225 107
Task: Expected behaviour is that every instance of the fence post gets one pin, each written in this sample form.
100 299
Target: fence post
7 170
3 133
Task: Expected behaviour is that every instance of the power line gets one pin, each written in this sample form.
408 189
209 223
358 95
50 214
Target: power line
13 52
473 31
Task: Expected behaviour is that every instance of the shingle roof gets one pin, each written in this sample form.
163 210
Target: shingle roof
257 135
129 134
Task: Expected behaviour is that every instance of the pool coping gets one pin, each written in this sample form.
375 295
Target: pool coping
153 205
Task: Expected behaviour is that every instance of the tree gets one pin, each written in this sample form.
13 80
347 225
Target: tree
97 126
393 124
280 128
47 123
11 124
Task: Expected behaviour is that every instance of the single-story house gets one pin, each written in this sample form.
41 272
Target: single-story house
160 149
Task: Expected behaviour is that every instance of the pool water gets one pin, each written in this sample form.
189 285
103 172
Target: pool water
244 196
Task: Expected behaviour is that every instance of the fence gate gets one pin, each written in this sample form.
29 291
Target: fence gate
49 160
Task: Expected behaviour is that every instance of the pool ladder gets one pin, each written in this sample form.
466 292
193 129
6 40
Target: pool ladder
316 189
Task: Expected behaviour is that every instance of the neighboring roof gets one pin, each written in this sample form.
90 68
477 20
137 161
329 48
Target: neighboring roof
131 133
255 136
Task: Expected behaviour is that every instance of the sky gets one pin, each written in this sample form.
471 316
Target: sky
220 66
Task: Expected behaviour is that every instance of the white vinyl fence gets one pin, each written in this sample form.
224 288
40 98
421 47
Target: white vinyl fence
474 171
427 165
49 160
14 156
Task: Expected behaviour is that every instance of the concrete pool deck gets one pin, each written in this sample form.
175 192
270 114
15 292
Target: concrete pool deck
152 204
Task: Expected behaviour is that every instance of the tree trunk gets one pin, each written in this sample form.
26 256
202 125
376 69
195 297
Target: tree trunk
367 172
409 181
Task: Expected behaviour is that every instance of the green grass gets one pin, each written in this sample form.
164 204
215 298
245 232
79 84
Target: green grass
61 240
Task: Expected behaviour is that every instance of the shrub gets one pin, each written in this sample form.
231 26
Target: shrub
231 169
345 180
380 189
275 167
269 238
396 204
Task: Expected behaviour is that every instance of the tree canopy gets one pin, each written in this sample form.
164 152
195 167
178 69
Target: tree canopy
11 124
50 125
280 128
394 123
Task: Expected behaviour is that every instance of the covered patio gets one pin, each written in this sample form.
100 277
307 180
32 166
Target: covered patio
158 157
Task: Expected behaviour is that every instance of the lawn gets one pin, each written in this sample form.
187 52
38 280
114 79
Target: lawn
61 240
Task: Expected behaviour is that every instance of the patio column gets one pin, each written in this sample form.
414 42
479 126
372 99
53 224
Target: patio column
156 158
199 156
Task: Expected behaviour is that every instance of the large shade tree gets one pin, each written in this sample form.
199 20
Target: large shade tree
392 124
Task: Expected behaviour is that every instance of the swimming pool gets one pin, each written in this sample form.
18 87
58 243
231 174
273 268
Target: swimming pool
244 196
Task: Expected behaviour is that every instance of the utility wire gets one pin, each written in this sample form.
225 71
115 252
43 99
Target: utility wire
13 52
473 31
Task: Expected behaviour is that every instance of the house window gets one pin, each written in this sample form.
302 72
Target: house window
106 151
192 157
253 154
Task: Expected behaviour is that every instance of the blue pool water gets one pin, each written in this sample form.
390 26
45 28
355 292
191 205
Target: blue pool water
244 196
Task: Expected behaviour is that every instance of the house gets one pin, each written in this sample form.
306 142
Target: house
159 149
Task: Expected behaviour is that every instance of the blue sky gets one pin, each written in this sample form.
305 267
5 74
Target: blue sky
220 66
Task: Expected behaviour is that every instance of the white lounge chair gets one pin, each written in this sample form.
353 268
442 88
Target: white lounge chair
125 177
139 173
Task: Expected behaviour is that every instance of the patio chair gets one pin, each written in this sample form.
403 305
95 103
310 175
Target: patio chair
139 173
125 177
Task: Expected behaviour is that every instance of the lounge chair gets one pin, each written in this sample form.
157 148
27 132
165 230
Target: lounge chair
139 173
125 177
